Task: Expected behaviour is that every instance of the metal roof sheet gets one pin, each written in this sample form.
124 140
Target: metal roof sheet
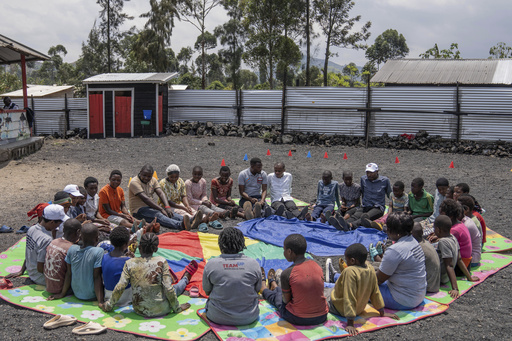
39 90
131 78
10 52
445 71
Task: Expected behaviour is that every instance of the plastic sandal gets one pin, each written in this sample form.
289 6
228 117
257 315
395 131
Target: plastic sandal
5 283
263 276
202 227
216 225
23 229
194 292
59 321
373 252
379 248
89 328
271 277
191 268
5 229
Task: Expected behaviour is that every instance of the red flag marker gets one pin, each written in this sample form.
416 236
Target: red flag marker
268 152
223 163
451 165
290 153
326 156
345 157
396 160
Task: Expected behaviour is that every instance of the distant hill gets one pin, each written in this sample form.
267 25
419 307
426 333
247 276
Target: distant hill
333 67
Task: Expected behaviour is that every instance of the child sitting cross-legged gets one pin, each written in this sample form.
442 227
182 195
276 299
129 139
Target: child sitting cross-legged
350 194
220 194
300 300
152 291
55 265
327 195
356 285
83 272
421 203
399 201
449 254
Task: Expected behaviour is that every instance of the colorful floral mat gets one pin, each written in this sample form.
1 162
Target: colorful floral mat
489 265
496 242
183 326
271 327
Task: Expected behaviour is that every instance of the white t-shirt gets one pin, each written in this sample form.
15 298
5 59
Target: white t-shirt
91 206
280 188
404 261
38 239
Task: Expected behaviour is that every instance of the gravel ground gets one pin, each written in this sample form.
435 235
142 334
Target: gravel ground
483 313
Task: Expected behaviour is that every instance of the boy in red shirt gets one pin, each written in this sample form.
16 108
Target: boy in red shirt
300 299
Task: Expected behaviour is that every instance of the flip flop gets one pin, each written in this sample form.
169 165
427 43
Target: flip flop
216 225
263 276
59 321
271 277
192 267
23 229
194 292
90 328
5 283
5 229
203 227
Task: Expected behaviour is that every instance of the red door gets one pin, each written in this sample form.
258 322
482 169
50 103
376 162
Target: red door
96 114
160 114
123 114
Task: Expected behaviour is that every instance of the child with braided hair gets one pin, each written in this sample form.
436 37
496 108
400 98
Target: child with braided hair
232 282
152 291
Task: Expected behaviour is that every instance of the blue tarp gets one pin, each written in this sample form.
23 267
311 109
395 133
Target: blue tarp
323 239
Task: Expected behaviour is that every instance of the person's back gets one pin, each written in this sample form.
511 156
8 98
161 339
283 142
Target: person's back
38 239
476 240
355 286
432 266
232 282
447 247
55 265
461 233
305 281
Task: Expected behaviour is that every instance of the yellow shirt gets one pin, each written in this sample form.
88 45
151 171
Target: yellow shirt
136 187
355 286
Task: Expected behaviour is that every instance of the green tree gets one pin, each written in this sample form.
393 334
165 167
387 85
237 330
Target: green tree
336 24
388 45
216 85
9 78
49 71
111 20
150 45
500 50
195 13
266 21
452 53
204 42
93 56
232 35
184 57
247 79
213 68
350 70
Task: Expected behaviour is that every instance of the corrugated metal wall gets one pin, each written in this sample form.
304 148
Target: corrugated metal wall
490 107
326 110
196 105
434 99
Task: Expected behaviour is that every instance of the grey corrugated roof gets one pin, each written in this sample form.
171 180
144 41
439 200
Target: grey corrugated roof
10 52
131 78
38 91
445 71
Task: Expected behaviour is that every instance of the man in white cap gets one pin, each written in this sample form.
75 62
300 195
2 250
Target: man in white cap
39 237
374 190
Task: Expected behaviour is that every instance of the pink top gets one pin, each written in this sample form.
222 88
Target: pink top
196 192
461 232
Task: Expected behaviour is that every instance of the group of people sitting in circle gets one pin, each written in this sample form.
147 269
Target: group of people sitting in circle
85 242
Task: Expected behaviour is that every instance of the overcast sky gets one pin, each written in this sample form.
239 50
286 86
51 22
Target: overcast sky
475 25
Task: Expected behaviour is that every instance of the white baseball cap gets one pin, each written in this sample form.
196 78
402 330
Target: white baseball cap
54 212
73 190
372 167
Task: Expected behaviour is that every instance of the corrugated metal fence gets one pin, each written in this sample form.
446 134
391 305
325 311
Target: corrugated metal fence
471 113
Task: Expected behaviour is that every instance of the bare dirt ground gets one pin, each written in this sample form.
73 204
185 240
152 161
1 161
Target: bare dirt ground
483 313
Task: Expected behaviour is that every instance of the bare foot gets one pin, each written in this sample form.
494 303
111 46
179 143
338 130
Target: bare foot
214 217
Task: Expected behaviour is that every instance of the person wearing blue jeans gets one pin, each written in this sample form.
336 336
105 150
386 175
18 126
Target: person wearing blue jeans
327 195
142 206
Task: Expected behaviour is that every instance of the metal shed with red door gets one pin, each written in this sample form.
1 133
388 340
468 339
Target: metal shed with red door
127 104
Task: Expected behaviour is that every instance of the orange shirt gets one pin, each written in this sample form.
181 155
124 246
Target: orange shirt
111 196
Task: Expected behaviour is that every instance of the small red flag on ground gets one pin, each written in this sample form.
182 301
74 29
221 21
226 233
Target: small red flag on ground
268 152
451 165
290 153
396 160
345 157
326 156
223 163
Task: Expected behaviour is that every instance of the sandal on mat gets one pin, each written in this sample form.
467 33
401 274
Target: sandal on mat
89 328
23 229
203 227
216 225
59 321
5 229
194 292
271 277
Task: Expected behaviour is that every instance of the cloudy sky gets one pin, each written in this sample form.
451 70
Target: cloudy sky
474 24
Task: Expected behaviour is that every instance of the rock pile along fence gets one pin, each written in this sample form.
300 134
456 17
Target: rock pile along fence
366 116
